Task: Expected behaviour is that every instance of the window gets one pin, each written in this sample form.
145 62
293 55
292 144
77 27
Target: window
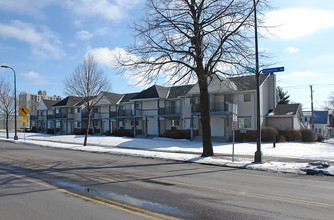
175 123
245 122
78 124
247 97
319 130
187 123
137 123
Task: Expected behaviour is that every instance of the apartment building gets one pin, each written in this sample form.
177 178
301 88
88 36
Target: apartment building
170 111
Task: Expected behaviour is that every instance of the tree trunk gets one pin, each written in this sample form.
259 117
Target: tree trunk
205 117
7 126
87 130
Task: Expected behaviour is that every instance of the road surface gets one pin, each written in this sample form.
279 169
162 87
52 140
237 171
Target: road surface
40 182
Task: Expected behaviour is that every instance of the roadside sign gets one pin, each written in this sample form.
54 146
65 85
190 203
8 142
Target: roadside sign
235 109
250 69
234 118
24 119
23 111
234 125
272 70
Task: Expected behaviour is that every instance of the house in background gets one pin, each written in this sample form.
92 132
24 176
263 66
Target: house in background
286 116
64 115
321 122
175 111
44 118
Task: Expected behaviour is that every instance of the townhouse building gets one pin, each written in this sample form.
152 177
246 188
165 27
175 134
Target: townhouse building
169 111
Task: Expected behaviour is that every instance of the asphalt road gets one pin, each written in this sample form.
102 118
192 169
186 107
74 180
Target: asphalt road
45 183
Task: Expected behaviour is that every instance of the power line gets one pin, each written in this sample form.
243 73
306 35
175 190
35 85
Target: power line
300 86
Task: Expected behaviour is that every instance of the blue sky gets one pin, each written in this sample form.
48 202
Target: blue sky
44 40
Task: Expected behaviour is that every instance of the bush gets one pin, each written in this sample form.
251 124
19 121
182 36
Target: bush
268 134
178 134
320 138
292 135
249 136
308 135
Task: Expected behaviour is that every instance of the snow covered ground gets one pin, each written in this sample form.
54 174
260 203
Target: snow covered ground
318 158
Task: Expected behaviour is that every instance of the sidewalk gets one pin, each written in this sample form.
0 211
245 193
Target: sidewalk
299 158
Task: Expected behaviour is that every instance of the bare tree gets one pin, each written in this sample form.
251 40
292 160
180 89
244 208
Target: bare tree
329 105
6 102
193 38
87 81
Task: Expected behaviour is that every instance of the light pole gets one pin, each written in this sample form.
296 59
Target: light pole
258 158
3 66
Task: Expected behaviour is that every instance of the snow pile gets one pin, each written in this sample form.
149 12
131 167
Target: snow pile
189 151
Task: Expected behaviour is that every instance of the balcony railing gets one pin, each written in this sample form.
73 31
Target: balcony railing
50 117
113 114
127 112
169 111
33 117
214 107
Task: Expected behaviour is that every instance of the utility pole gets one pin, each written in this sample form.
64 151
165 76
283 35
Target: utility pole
312 115
258 158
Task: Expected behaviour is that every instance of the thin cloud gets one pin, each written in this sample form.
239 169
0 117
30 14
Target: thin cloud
35 78
109 10
44 43
303 74
292 50
297 22
84 35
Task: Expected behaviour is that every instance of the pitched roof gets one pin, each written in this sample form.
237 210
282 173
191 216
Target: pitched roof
248 82
320 117
69 101
177 91
163 92
83 100
154 91
285 110
49 103
113 98
126 97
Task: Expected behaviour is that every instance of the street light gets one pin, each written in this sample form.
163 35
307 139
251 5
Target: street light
8 67
258 158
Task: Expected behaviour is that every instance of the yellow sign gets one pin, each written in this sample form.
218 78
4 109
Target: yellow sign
24 111
24 119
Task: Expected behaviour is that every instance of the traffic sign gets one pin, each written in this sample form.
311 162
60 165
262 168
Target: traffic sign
272 70
24 119
250 69
234 125
23 111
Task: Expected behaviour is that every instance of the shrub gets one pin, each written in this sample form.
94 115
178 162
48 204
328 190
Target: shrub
292 135
308 135
268 134
178 134
249 136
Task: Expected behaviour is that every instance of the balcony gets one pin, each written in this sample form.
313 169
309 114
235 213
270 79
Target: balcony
214 107
169 111
50 116
113 114
65 115
33 117
127 112
101 115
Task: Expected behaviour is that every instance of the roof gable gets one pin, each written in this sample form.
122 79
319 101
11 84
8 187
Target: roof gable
154 91
244 83
69 101
286 110
177 91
